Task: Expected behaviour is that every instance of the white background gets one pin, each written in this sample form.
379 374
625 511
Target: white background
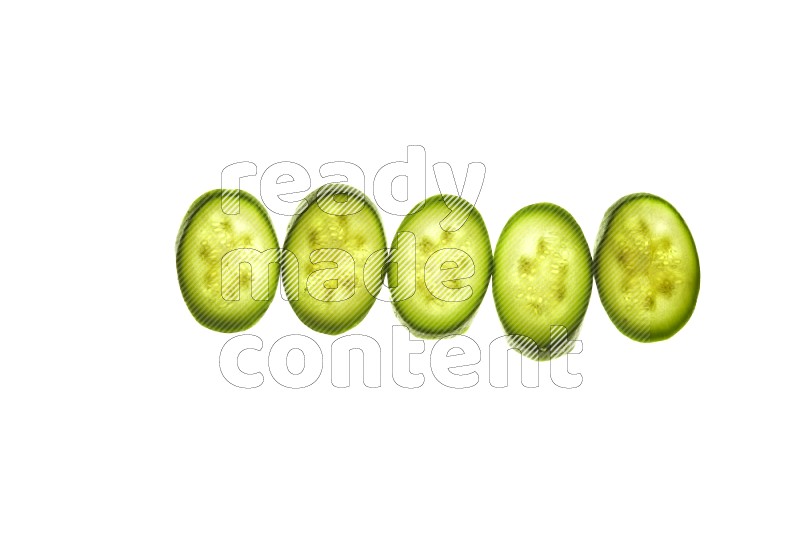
114 414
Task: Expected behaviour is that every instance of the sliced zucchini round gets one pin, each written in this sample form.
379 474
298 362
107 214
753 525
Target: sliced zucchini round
542 280
228 265
437 289
646 267
327 278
